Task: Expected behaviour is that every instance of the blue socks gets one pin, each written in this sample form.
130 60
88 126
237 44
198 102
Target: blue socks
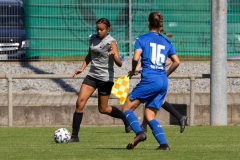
133 121
157 131
156 128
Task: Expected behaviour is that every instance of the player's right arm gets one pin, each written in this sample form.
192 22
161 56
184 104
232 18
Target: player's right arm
84 65
135 62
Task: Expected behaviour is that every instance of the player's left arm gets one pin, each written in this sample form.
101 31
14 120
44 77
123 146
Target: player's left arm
175 63
115 54
168 62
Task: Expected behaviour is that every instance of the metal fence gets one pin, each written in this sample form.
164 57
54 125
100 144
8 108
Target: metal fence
10 77
59 29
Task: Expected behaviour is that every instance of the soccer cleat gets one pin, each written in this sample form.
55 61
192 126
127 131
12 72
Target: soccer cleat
144 129
128 129
183 123
74 139
163 147
141 137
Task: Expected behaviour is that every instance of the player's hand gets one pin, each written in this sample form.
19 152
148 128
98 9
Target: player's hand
130 74
134 73
137 72
77 72
111 52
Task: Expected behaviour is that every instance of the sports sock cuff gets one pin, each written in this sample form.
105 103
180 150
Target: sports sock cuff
78 113
127 112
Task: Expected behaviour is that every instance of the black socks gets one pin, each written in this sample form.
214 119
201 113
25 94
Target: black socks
168 107
116 113
77 119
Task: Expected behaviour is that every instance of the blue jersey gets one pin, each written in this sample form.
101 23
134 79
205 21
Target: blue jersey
153 86
155 51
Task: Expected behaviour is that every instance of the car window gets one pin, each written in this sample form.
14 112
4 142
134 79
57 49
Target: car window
11 15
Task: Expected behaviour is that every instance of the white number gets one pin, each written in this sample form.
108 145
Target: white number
157 57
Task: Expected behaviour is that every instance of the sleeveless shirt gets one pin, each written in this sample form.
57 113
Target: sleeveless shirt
101 63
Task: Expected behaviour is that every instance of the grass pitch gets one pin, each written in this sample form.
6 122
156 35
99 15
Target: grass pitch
198 142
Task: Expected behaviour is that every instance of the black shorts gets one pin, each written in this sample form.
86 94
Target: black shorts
104 88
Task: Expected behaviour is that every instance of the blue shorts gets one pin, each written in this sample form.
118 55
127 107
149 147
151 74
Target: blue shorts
151 91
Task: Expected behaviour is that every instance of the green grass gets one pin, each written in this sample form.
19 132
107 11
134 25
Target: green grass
198 142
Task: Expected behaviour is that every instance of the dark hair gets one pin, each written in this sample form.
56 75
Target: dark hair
156 22
104 21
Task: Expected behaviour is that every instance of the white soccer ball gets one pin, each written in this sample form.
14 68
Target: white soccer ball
61 135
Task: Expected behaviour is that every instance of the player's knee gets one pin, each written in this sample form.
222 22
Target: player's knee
79 105
103 110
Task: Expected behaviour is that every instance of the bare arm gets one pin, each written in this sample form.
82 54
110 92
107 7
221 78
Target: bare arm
135 62
168 62
84 65
139 66
115 55
175 63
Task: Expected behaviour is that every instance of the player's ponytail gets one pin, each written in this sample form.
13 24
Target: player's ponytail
156 22
161 26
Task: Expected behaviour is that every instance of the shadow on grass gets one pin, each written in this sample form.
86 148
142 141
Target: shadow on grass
113 148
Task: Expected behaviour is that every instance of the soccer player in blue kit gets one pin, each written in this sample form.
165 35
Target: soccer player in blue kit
154 49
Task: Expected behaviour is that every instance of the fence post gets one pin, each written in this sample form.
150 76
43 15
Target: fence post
130 27
10 105
192 93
